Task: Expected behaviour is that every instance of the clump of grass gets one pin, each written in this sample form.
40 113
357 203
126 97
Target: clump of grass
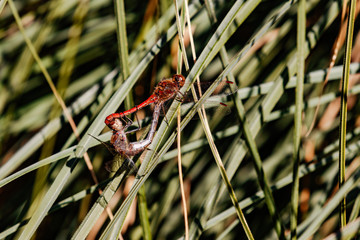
102 54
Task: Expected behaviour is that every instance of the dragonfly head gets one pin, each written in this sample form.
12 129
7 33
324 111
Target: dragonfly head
117 125
180 79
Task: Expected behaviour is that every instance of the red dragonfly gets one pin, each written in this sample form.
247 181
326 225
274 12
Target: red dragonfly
166 89
121 148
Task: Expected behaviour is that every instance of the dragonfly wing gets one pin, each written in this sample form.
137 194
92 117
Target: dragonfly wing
107 145
214 105
213 108
218 108
120 163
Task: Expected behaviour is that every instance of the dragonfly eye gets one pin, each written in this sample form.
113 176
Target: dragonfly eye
180 79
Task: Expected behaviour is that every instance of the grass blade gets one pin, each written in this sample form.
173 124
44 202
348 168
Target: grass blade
343 110
301 33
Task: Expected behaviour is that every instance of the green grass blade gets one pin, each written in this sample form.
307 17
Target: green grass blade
343 110
301 33
122 45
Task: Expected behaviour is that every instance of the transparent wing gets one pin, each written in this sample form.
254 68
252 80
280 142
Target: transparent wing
120 163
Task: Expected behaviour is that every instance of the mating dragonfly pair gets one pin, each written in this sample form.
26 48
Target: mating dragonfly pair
119 145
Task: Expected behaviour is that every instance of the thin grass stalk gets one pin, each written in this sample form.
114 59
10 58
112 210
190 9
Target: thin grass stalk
343 109
181 58
205 123
299 92
183 197
122 46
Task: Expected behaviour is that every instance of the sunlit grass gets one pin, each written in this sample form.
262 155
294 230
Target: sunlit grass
253 44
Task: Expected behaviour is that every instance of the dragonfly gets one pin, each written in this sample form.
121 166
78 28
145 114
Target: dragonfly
166 89
120 146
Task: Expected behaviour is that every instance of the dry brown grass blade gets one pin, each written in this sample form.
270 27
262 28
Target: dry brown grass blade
183 196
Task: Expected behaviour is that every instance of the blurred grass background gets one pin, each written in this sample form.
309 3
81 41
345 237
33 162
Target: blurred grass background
79 45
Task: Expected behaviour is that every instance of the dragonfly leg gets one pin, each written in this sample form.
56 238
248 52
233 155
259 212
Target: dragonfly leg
128 122
180 97
128 125
137 120
181 94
